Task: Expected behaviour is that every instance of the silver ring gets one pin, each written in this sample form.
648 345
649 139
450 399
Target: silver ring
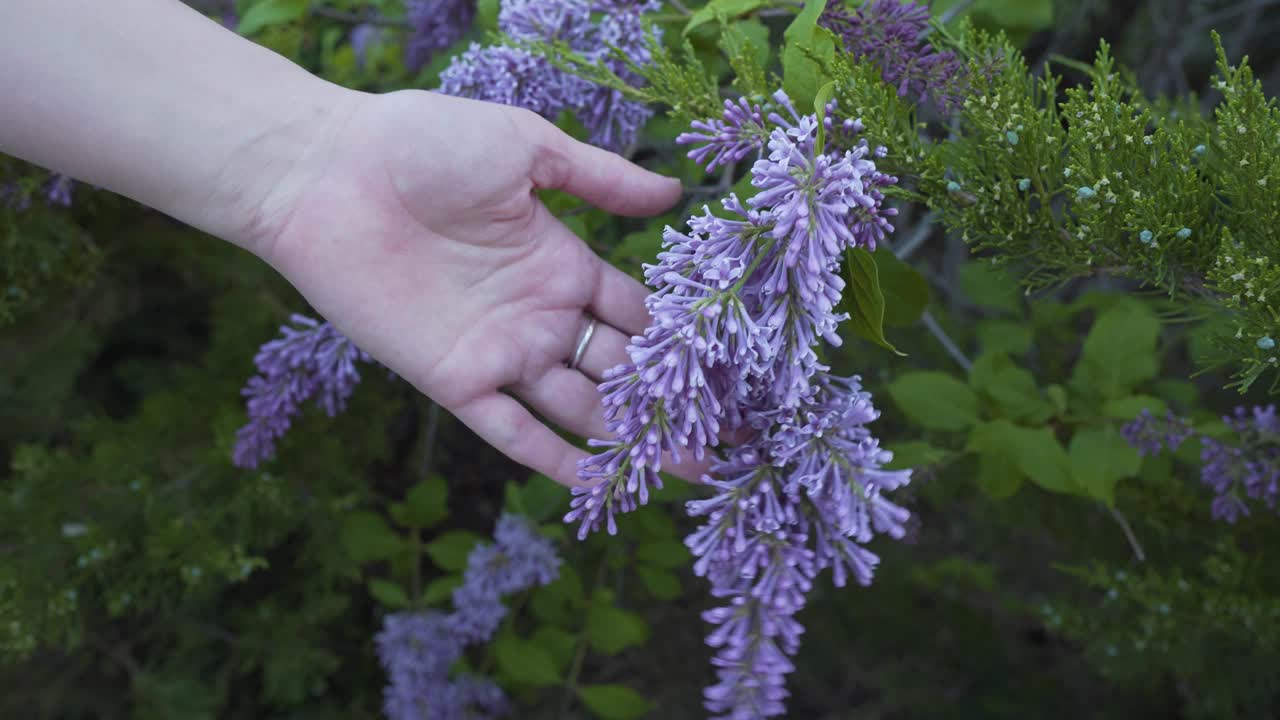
583 342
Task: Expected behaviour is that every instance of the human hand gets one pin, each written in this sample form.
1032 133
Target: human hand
414 228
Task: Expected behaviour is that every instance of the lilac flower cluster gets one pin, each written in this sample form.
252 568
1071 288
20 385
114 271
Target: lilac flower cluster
434 25
58 190
417 649
740 305
311 359
891 34
230 18
1247 465
1150 436
514 76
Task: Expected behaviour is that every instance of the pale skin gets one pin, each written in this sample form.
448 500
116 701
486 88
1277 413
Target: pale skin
409 220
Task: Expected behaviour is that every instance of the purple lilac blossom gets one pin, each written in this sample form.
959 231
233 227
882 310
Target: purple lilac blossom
230 18
739 305
311 359
58 189
15 196
740 132
364 37
892 34
1244 466
1248 466
434 26
505 75
1150 436
417 649
513 76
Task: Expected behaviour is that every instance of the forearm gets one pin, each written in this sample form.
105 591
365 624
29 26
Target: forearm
152 100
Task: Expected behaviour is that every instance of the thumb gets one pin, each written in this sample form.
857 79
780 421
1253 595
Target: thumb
604 179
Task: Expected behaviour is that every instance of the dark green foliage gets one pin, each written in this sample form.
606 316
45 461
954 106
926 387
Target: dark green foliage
1052 573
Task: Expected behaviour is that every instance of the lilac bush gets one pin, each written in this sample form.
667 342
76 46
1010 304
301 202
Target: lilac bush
513 76
418 648
739 307
1246 465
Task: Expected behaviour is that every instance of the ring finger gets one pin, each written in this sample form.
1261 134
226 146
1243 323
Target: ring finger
606 349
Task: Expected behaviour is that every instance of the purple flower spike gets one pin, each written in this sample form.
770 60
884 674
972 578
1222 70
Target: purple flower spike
512 76
739 305
1244 466
740 132
1150 436
417 649
505 75
892 34
58 189
310 360
434 26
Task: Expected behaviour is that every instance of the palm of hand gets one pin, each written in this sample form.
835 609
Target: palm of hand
418 234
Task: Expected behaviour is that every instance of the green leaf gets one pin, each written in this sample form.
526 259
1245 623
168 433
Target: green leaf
820 112
915 453
560 601
388 593
990 287
611 628
450 550
427 503
558 642
271 12
1057 397
1006 336
643 245
935 400
1011 389
1119 351
726 9
511 499
673 490
1100 459
998 476
441 589
367 537
654 523
906 292
487 15
665 554
661 584
1128 408
801 76
1182 393
1015 14
864 300
525 662
614 702
543 498
1036 454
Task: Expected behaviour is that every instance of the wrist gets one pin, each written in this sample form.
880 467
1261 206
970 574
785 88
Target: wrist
287 147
